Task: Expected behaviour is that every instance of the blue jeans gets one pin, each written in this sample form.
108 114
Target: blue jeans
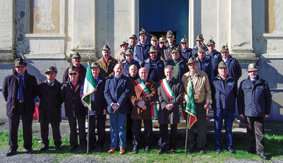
228 116
118 123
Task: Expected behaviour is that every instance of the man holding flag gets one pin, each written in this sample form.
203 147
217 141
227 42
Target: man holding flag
199 81
93 98
170 95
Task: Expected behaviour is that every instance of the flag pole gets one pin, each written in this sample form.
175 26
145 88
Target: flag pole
87 147
186 141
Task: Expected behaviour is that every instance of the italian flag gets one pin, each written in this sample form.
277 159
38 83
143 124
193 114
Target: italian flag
190 106
89 87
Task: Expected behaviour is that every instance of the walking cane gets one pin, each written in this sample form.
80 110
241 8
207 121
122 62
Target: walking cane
186 134
87 132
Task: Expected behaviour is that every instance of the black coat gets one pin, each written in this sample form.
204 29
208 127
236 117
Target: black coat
10 91
72 99
50 102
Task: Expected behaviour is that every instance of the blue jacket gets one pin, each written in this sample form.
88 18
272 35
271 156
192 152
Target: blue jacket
141 53
160 67
234 68
183 68
118 93
224 92
206 66
186 54
215 58
195 50
126 66
254 100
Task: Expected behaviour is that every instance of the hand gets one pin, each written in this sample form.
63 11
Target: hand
169 106
242 115
85 105
104 111
266 116
144 107
140 103
206 106
186 98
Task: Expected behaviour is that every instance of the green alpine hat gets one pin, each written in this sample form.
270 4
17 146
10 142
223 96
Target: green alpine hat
20 62
76 55
224 49
105 48
192 60
51 69
142 32
73 69
129 51
252 67
210 42
169 34
162 39
184 40
201 48
199 37
222 64
153 38
152 49
176 50
94 65
133 36
124 43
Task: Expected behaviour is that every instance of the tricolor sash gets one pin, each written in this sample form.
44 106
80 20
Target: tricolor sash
171 95
154 112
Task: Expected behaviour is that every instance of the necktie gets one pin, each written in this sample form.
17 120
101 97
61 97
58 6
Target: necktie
21 89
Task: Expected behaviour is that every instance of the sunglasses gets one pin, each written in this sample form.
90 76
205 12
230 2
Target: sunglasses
73 73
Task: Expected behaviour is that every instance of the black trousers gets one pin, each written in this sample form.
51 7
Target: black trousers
255 132
19 111
163 130
100 131
73 130
44 130
147 132
129 133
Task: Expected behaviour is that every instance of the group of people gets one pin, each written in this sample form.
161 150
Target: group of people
145 80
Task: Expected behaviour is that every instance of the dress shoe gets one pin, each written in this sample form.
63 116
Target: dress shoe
135 149
201 150
43 148
147 149
99 149
191 150
217 151
58 148
29 151
122 151
84 148
231 150
73 148
160 151
11 152
173 151
111 150
251 151
263 156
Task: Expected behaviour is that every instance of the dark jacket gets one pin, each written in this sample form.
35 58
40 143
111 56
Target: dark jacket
195 50
133 78
107 70
183 68
170 116
215 58
126 66
10 92
254 100
234 69
167 50
224 92
140 52
206 66
71 97
50 102
186 54
160 67
118 93
66 72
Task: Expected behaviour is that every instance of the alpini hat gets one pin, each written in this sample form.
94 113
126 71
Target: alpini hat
201 48
169 34
94 65
105 48
51 69
124 43
76 55
252 67
162 39
133 36
224 49
184 40
20 62
73 69
192 60
176 50
210 42
199 37
142 32
129 51
222 65
152 49
153 38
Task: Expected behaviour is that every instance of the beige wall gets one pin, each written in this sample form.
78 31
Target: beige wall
269 16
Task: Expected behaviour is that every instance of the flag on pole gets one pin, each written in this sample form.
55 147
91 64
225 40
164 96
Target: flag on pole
89 87
190 106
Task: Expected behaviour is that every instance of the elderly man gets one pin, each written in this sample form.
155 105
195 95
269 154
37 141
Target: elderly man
141 48
170 96
178 64
117 91
50 108
224 93
122 56
19 91
214 55
74 109
202 96
185 51
143 92
204 63
128 62
169 46
133 73
254 104
76 61
161 43
106 63
199 42
132 42
154 42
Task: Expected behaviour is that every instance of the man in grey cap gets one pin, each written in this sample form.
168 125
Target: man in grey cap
121 57
128 62
106 63
19 91
169 46
199 42
132 42
142 47
214 55
254 104
186 52
204 63
76 61
50 108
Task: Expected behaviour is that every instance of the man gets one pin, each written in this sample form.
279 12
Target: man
133 73
154 66
234 68
202 96
76 61
161 43
178 64
254 104
224 93
19 91
98 110
50 108
141 48
204 63
143 93
74 109
133 41
185 51
117 91
121 57
128 62
169 112
168 48
214 55
154 41
199 42
106 63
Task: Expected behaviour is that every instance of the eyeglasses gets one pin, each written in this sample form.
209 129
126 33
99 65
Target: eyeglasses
73 73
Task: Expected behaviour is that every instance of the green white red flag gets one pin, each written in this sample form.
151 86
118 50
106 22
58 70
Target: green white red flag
190 106
89 87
